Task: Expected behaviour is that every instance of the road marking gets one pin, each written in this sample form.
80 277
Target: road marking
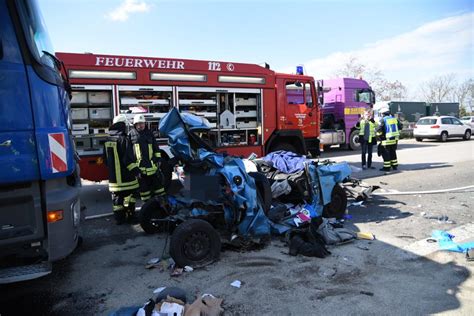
424 248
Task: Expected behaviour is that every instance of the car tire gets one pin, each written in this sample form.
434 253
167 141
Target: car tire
195 243
338 205
150 210
418 139
443 137
263 189
467 135
354 140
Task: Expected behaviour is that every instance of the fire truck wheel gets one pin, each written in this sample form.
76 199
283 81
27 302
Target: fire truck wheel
263 189
338 205
195 243
354 140
285 147
149 211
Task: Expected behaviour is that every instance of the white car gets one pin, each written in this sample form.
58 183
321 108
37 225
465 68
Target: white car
468 120
441 127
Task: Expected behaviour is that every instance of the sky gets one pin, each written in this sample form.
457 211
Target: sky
408 40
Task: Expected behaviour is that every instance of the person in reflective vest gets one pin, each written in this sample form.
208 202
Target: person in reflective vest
389 133
118 154
147 156
367 138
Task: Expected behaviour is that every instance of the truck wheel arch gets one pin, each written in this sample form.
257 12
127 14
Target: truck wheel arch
293 138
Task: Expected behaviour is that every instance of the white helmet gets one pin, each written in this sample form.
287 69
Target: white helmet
120 118
384 110
139 118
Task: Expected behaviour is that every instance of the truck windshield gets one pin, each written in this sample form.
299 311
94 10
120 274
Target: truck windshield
36 33
366 96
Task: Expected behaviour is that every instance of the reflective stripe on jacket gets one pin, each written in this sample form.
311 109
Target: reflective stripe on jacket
372 126
119 158
146 151
389 130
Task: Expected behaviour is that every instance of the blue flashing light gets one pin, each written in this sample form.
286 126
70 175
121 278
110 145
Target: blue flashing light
299 70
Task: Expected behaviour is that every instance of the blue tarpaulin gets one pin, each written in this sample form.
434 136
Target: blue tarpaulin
445 241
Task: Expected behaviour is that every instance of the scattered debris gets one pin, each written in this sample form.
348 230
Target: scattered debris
367 236
236 284
177 272
158 290
356 203
367 293
363 247
188 269
383 183
445 241
206 305
153 263
405 236
423 214
470 255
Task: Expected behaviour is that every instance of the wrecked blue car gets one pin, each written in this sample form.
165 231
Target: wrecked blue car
224 198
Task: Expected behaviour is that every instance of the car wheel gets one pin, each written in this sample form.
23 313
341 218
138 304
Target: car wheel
418 139
338 205
444 136
149 211
467 135
195 243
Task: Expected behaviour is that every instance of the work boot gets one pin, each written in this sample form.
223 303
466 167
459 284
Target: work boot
120 217
384 169
131 218
394 167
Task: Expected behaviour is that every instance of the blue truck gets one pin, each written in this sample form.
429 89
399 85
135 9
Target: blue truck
39 179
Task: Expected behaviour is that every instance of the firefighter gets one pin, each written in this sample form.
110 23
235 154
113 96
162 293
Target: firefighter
147 157
118 154
389 133
367 126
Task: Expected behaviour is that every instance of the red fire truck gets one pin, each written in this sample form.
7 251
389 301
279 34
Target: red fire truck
251 108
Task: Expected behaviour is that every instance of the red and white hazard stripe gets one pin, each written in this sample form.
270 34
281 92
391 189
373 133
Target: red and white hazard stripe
57 147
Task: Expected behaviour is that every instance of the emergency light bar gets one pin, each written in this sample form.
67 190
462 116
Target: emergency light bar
236 79
94 74
177 77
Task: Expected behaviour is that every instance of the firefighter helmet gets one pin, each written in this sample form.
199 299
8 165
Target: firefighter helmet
120 118
139 118
385 110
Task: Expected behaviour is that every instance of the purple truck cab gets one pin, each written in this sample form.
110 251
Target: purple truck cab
345 100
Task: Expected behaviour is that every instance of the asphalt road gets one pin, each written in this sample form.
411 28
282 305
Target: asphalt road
398 273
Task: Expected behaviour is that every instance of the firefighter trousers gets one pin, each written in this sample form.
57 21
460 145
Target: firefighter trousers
150 186
389 155
121 202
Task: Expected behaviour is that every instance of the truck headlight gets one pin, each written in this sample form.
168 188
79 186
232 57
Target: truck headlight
76 212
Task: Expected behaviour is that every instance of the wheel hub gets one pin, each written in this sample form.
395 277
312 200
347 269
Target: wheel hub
197 246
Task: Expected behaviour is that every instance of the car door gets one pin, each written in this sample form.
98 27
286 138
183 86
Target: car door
447 125
458 127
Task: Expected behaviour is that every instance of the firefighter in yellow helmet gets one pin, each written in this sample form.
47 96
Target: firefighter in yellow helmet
118 154
389 133
148 158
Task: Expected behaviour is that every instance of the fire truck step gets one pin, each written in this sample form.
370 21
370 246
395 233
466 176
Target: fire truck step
23 273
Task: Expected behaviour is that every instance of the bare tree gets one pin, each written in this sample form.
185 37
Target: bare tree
384 90
464 92
438 89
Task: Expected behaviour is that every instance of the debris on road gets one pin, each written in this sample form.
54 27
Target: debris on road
367 236
236 284
445 241
188 269
207 305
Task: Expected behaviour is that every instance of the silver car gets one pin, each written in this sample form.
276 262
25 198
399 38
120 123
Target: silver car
468 120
